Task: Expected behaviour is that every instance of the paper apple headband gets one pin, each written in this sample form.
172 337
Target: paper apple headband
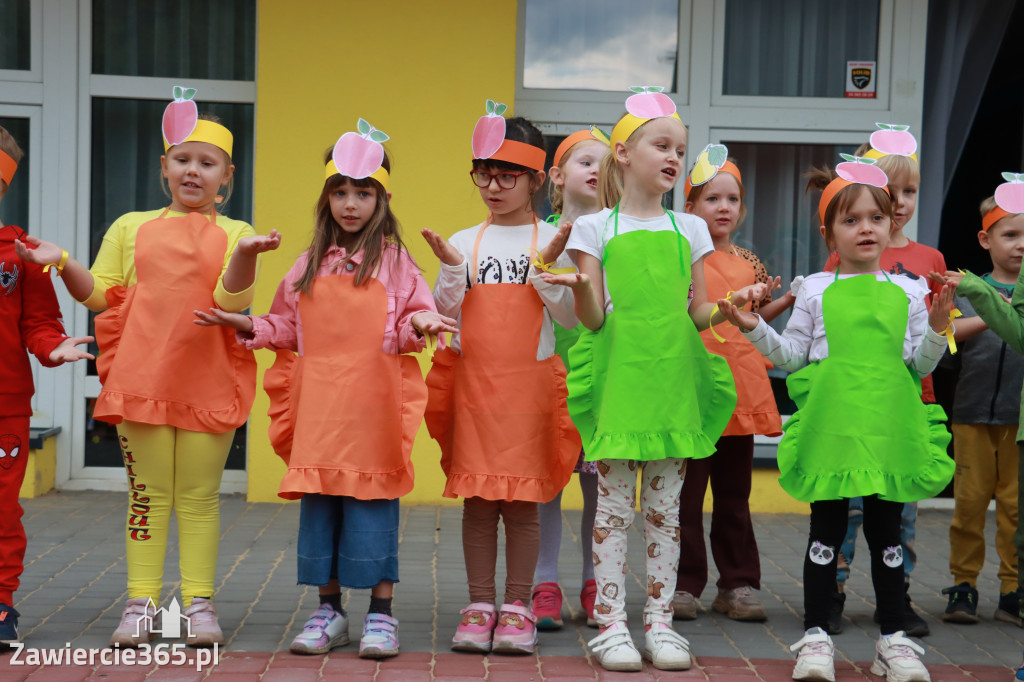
592 133
713 158
181 123
892 138
1009 200
7 167
856 171
360 155
489 141
648 102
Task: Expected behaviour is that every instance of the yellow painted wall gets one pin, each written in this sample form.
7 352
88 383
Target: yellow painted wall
419 71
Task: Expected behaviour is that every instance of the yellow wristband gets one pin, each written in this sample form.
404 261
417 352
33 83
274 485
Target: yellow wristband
60 265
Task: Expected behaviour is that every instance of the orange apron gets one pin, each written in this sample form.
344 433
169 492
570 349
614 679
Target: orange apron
498 413
156 365
756 411
345 413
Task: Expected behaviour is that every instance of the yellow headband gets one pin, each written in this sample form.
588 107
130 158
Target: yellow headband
628 125
381 175
212 133
875 154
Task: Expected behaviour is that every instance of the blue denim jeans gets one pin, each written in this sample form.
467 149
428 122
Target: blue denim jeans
354 541
908 526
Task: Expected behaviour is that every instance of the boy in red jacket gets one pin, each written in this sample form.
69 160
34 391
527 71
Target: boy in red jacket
29 321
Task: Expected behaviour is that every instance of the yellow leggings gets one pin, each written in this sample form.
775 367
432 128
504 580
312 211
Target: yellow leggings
169 468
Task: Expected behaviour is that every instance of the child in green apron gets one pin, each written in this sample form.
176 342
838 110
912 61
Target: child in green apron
643 391
861 339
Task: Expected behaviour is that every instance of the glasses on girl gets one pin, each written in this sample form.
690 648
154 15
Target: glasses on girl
506 179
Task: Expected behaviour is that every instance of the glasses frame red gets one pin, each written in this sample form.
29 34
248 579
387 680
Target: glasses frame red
494 176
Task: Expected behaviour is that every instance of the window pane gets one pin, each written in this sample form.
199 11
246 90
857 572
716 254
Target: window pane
14 207
175 38
15 35
796 48
600 44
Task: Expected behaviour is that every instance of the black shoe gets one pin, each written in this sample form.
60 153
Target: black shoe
835 614
1008 610
8 625
911 623
963 604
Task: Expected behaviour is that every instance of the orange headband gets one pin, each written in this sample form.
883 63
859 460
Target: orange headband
993 217
727 167
7 167
521 154
830 193
575 138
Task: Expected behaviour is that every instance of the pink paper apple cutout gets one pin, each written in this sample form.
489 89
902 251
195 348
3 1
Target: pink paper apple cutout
489 132
1010 194
861 170
358 155
180 116
891 138
649 102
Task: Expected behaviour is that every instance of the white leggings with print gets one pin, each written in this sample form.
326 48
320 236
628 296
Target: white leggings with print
661 482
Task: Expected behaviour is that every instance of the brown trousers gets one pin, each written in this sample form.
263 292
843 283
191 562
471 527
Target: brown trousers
480 547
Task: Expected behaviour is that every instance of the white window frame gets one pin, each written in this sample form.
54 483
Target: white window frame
34 74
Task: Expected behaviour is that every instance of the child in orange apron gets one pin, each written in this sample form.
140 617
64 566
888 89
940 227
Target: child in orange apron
714 193
176 391
345 410
497 396
572 192
643 391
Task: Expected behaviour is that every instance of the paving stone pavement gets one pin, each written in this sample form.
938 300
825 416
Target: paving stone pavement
73 591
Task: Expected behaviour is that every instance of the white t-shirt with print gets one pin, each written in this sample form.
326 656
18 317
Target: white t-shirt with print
591 234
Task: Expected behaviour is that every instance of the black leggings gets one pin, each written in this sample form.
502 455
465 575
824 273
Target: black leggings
882 531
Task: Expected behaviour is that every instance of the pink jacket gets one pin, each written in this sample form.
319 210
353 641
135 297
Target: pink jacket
408 294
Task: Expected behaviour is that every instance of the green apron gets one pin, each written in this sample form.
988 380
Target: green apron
643 386
860 426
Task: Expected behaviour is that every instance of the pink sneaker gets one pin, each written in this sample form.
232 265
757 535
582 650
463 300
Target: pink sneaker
476 629
516 632
587 598
136 624
547 606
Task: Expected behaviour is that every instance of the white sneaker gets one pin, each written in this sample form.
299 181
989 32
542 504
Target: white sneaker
665 648
896 659
614 649
814 660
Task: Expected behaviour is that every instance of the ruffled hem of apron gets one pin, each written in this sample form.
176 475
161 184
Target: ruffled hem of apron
927 481
650 447
361 485
279 383
498 487
439 413
579 387
765 423
108 327
113 408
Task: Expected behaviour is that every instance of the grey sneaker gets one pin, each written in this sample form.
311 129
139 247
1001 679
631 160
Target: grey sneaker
740 603
684 606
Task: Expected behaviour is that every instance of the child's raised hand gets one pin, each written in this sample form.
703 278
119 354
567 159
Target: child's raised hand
257 244
216 317
573 280
942 303
751 292
66 351
430 323
556 246
950 277
41 253
739 317
447 253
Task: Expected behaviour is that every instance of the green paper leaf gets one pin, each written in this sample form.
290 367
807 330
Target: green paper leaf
500 109
177 92
655 88
363 127
901 128
190 93
637 89
870 162
848 157
490 106
717 155
882 126
379 136
1009 177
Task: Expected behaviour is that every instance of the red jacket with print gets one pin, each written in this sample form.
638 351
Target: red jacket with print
29 321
